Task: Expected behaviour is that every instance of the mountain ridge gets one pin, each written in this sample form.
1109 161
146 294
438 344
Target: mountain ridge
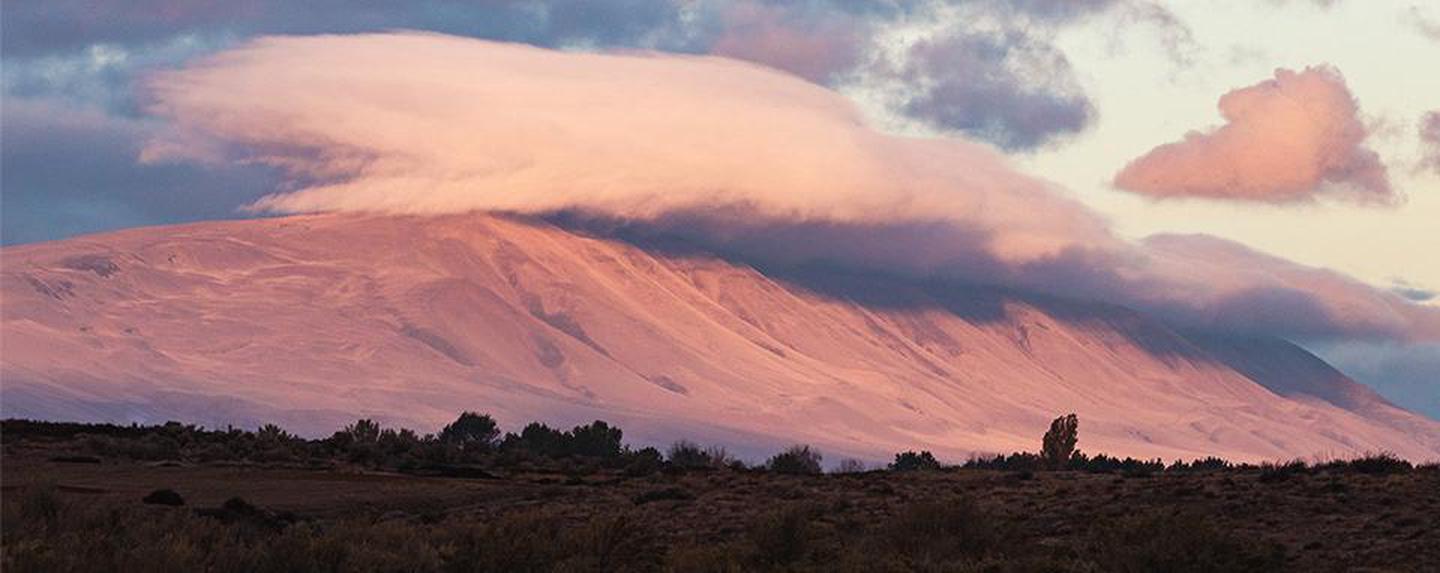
317 319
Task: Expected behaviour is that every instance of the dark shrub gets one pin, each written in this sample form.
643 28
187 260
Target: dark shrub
1210 464
643 462
471 431
1180 544
164 497
663 494
799 460
514 542
1059 442
911 461
704 558
363 431
603 544
688 455
40 503
537 439
1380 464
1276 473
596 440
935 532
271 434
721 458
1019 461
784 536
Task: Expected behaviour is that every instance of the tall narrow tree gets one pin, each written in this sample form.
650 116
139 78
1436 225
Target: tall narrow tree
1059 442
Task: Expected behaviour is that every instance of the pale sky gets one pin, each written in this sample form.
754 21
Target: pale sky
1146 98
1067 91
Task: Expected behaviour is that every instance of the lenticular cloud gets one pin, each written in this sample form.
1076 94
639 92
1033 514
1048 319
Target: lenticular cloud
1285 140
728 154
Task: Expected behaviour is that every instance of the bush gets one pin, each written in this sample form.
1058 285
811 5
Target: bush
935 532
538 439
1180 544
1276 473
1382 463
164 497
721 458
643 462
363 431
1209 464
784 536
596 440
1018 462
798 460
911 461
688 455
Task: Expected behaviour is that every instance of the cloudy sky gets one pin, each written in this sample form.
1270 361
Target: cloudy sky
1202 160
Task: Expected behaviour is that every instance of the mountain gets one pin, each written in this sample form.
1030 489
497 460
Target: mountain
313 321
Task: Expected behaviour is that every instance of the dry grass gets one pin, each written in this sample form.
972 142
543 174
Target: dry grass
576 516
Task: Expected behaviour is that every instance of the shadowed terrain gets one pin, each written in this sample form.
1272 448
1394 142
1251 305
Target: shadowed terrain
203 502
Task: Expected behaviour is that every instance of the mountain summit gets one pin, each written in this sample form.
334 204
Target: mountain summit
311 321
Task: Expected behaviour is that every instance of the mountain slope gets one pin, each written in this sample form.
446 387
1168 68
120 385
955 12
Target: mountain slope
313 321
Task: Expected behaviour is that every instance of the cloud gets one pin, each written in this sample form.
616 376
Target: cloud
77 54
992 70
1285 140
1411 291
729 156
815 45
1430 141
826 41
635 134
1423 23
1006 87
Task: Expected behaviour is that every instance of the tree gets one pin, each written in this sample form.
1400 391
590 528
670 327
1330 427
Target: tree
539 439
598 440
1059 443
471 431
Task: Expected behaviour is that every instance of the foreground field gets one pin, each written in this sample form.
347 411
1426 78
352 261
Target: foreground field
65 509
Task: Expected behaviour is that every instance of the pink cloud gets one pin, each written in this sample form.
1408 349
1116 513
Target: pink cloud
811 47
1285 140
731 156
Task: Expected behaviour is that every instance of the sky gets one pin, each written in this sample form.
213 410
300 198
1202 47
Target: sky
1307 131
